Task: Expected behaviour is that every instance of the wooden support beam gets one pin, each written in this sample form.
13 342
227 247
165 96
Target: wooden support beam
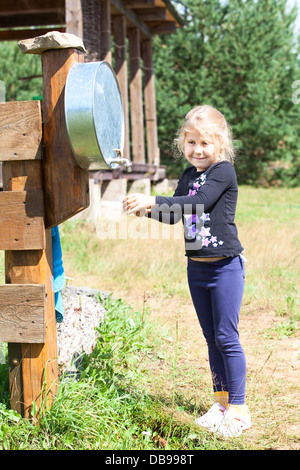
13 20
22 220
139 171
22 313
91 28
152 14
136 97
132 18
153 153
19 34
166 27
32 367
32 6
20 130
105 31
73 13
66 185
119 33
137 4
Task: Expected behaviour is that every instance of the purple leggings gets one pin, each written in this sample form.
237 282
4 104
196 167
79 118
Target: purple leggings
217 291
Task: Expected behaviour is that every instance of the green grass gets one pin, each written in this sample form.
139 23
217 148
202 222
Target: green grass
269 224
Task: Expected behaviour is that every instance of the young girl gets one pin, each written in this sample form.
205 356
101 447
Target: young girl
215 261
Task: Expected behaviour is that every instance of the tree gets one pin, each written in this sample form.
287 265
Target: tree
241 57
21 73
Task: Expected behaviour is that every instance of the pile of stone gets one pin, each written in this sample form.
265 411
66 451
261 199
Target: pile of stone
84 311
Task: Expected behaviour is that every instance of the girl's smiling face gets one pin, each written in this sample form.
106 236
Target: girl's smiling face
200 150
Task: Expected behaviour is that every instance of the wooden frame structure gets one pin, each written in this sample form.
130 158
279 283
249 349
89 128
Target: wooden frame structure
40 190
43 184
127 28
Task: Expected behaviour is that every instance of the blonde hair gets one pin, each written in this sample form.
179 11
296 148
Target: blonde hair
209 121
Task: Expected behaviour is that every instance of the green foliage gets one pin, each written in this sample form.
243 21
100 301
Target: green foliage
240 57
118 342
21 73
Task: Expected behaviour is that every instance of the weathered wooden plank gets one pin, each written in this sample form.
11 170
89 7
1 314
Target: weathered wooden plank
34 6
119 33
22 220
66 185
164 27
22 313
140 171
131 16
136 4
74 23
153 153
105 31
152 14
32 19
136 97
33 368
26 33
20 130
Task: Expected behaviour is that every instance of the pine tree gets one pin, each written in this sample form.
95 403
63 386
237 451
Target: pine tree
21 73
239 56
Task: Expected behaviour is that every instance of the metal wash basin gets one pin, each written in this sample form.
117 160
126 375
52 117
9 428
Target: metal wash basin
95 116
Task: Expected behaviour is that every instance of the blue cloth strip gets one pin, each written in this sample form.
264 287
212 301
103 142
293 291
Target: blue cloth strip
59 281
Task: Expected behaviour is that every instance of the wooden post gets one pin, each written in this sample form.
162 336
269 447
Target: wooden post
119 33
73 12
150 103
136 97
33 368
66 185
105 34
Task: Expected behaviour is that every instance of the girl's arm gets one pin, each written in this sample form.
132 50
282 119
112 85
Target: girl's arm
141 205
220 178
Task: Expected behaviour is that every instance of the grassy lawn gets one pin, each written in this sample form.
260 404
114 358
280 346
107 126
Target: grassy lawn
148 376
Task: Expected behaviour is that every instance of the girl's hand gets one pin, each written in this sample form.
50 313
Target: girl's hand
138 204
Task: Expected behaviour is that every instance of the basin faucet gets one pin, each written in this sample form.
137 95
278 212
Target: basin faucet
121 160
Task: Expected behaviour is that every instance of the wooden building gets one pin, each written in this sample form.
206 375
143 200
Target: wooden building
120 32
